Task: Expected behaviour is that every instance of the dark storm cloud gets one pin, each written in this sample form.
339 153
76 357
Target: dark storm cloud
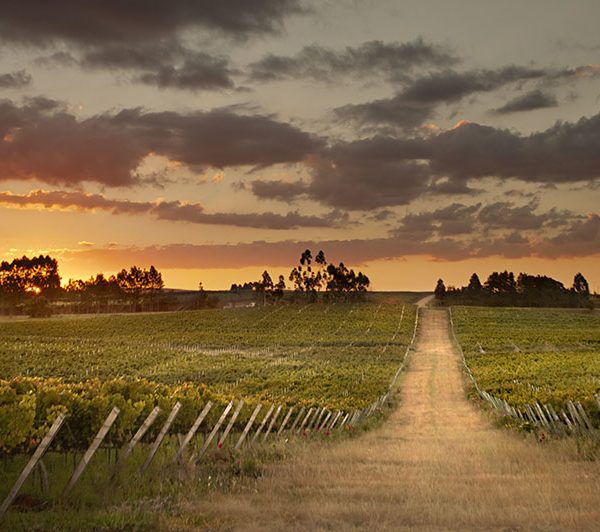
175 211
94 23
530 101
15 80
581 238
42 140
373 58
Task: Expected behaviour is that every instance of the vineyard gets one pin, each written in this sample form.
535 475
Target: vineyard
339 356
524 356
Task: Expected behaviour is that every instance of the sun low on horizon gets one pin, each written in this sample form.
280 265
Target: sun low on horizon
411 140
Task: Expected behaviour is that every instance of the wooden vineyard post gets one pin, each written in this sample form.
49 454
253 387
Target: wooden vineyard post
335 419
193 430
161 435
298 417
212 433
92 449
136 438
264 421
324 423
285 421
305 420
236 413
248 426
37 456
317 419
344 421
273 419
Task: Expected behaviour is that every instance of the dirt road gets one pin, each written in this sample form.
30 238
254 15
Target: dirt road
436 464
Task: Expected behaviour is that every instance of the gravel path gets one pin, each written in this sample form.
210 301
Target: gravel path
436 464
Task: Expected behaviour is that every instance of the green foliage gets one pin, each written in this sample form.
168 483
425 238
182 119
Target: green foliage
524 355
327 355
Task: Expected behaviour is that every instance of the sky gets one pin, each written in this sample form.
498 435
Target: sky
411 140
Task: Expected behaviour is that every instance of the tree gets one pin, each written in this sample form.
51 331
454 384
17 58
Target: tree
440 290
580 285
474 284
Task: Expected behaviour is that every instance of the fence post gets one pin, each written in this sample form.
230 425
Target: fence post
273 419
248 426
212 433
236 413
92 448
136 438
297 419
264 421
37 455
305 420
285 421
161 435
194 428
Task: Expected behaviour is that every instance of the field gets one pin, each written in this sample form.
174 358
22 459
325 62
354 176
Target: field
524 355
340 355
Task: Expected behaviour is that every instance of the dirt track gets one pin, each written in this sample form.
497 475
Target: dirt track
436 464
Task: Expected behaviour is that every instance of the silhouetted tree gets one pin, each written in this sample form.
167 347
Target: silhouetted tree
440 290
580 285
474 284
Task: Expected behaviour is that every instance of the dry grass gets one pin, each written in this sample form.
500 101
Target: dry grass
436 464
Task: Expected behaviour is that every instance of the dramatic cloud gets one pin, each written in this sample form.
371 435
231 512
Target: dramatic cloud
392 61
451 86
580 240
15 80
42 140
418 101
459 219
165 210
530 101
566 152
93 23
165 64
145 36
420 98
278 190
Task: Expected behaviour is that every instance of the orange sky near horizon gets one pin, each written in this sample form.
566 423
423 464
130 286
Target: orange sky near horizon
411 274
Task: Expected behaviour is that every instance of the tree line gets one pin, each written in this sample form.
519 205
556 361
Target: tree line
503 289
30 284
311 276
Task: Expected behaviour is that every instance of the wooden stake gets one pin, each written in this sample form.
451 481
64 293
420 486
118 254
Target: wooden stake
285 421
264 421
161 435
305 420
248 426
194 428
273 419
213 433
37 456
236 413
295 423
92 449
136 438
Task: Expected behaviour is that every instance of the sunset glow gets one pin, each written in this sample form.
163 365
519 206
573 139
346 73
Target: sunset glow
409 148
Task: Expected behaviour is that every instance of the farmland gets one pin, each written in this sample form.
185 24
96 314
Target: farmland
339 355
524 355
